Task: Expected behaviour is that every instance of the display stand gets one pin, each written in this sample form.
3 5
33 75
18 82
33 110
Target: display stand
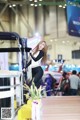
15 88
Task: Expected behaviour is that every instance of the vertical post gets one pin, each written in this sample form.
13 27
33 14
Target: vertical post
22 89
12 97
18 90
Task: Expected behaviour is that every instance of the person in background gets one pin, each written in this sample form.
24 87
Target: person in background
79 86
79 74
38 56
61 67
74 83
64 84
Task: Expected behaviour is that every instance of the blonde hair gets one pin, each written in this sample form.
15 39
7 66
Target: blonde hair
44 59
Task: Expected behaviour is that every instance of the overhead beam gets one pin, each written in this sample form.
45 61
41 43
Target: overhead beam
17 1
1 13
2 26
3 10
54 3
47 3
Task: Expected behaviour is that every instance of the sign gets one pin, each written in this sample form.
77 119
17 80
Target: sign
73 18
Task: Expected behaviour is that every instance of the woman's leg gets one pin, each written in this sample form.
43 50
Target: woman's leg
37 74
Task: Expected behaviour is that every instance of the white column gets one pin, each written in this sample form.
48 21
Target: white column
62 23
53 21
40 21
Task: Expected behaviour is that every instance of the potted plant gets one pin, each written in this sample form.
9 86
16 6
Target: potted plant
33 97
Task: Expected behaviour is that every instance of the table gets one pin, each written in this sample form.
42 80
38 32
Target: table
16 88
61 108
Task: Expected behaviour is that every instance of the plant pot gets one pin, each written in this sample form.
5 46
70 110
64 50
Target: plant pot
25 113
36 109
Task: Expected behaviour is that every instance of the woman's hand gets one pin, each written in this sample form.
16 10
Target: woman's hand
33 51
24 69
29 57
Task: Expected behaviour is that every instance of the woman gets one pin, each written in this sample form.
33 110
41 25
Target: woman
38 57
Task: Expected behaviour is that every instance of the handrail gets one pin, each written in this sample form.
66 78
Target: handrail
6 94
4 87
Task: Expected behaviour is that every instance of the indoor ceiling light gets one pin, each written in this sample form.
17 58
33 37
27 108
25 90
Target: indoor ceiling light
10 6
31 4
64 7
35 0
13 5
39 4
60 5
63 41
35 5
37 34
51 40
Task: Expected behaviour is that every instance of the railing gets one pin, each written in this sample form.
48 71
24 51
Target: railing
15 88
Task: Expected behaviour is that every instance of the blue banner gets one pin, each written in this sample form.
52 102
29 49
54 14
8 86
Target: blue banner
73 18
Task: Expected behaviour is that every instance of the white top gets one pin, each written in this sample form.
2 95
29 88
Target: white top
36 63
74 82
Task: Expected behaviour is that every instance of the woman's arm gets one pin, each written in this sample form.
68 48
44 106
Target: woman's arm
27 64
40 55
29 61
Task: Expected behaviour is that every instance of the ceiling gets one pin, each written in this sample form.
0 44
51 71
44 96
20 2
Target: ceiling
9 1
30 1
44 2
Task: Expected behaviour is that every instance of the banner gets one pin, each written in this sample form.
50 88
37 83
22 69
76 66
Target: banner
73 18
33 42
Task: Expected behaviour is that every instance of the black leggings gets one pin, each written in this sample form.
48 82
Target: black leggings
37 74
